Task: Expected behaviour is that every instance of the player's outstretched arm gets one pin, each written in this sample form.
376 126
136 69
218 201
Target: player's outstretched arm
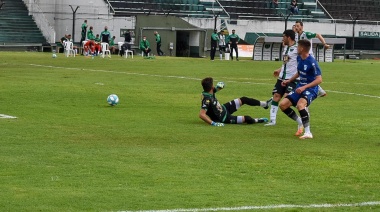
320 37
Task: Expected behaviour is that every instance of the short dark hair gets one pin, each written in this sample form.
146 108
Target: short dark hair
300 22
290 34
305 44
207 84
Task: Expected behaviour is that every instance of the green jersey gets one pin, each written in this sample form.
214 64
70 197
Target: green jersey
144 44
112 42
158 38
106 36
90 35
307 36
97 39
84 27
233 38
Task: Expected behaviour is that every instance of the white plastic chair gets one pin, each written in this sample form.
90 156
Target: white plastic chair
128 51
84 43
69 48
105 49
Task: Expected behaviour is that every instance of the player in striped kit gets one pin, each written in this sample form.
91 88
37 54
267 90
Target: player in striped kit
287 71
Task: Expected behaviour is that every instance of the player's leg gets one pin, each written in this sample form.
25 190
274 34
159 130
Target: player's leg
253 102
231 52
321 92
302 103
244 119
237 53
278 92
274 109
221 52
285 106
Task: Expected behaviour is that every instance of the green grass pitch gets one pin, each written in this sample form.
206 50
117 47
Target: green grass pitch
68 150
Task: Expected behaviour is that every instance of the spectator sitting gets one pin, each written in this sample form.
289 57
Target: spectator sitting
274 4
293 7
112 45
98 47
145 46
71 40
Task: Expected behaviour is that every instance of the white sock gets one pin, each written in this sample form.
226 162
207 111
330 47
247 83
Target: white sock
221 56
299 121
263 104
307 129
273 113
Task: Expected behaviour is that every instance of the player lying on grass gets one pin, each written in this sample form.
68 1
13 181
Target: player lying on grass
306 90
212 112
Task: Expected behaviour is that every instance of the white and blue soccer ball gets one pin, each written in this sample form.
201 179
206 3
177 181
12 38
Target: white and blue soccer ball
54 56
113 99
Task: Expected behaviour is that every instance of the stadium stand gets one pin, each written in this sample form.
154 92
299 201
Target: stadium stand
17 27
247 8
365 9
180 8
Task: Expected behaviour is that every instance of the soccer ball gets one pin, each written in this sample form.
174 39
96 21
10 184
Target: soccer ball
54 56
113 99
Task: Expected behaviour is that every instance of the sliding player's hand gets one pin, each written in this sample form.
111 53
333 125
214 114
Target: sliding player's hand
217 124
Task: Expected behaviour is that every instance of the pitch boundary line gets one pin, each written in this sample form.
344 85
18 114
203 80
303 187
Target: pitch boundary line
283 206
3 116
182 77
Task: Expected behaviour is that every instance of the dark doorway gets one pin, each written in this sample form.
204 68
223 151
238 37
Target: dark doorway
183 47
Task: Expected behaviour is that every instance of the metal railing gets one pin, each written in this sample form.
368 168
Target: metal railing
43 24
110 7
324 9
225 11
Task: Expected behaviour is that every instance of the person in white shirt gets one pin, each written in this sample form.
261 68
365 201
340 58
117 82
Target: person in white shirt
222 44
287 71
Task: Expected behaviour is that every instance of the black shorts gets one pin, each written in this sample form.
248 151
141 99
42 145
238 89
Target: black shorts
231 108
278 88
222 48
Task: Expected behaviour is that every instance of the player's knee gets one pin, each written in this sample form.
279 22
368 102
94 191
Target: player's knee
276 97
285 103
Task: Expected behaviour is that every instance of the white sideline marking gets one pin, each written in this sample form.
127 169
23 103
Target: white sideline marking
357 94
265 207
189 78
3 116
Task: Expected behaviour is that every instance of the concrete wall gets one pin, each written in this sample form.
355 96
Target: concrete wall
60 15
273 26
167 27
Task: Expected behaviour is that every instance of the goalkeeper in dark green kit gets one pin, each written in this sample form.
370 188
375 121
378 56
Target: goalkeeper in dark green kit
215 114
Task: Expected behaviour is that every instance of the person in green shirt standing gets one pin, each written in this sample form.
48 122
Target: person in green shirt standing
214 43
145 46
105 35
158 42
233 40
83 33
